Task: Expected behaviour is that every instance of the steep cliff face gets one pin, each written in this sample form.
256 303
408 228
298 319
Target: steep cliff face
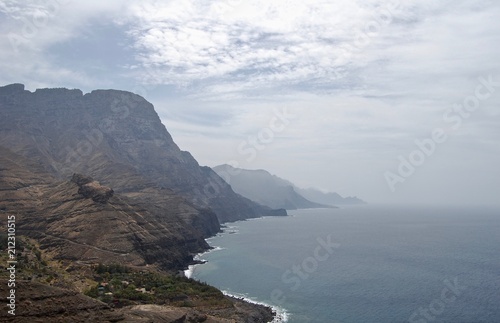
262 187
82 220
96 178
115 137
329 197
79 223
77 227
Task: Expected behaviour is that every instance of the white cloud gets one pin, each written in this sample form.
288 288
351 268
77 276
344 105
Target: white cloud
366 78
281 41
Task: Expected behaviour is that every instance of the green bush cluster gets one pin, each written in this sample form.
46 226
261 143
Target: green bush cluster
123 282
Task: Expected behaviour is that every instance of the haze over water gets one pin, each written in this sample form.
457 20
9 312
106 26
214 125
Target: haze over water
391 264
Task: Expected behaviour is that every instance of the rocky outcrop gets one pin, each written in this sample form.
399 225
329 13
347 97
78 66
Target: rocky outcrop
81 180
77 227
92 189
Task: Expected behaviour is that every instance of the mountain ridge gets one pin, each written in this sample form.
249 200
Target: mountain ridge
106 134
265 188
96 179
319 196
116 140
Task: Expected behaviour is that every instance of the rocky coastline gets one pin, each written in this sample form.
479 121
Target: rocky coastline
96 180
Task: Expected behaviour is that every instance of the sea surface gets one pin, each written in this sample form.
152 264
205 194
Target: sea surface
364 264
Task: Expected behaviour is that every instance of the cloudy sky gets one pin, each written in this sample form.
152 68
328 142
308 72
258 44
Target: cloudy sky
392 101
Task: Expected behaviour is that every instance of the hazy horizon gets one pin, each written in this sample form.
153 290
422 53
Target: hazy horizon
393 103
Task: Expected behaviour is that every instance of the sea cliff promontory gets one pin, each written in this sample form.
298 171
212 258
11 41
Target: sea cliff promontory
96 181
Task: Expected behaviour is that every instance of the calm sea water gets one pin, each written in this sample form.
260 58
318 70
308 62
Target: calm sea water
365 264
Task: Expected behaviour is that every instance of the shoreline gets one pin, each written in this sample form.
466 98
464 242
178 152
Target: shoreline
197 260
280 314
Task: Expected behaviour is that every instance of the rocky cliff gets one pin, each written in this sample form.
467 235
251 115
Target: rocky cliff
82 220
139 197
330 198
97 179
262 187
117 138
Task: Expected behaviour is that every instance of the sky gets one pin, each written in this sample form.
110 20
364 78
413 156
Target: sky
391 101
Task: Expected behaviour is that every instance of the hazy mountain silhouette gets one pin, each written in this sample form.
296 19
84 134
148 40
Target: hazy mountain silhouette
266 189
318 196
270 190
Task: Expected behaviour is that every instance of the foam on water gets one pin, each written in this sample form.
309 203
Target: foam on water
281 315
188 273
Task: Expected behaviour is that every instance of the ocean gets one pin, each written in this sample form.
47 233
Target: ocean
364 264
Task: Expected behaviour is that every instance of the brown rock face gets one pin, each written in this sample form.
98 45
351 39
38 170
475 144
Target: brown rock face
92 189
157 200
81 180
147 204
78 227
117 138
